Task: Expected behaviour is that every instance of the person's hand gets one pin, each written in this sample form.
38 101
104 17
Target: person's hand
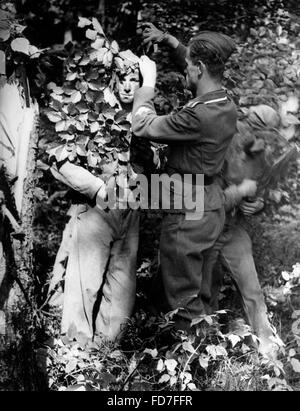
152 34
247 188
148 71
252 207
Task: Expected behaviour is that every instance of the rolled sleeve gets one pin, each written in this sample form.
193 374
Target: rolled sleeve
232 197
79 179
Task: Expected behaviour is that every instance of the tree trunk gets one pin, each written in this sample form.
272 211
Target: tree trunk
19 137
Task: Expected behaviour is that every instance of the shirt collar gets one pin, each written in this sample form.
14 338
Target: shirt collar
212 95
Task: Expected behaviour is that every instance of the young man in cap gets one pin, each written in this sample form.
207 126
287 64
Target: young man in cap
198 137
234 246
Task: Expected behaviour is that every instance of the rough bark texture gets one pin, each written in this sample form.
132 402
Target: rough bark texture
17 307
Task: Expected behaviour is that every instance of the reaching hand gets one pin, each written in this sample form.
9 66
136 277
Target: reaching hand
252 207
152 34
148 71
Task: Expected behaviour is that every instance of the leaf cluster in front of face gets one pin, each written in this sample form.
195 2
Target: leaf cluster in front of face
89 122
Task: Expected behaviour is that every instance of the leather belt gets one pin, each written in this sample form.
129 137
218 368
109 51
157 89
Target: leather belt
208 180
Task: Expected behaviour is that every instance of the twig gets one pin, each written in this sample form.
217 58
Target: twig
130 375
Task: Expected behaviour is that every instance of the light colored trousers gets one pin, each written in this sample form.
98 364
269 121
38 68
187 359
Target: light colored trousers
100 274
234 251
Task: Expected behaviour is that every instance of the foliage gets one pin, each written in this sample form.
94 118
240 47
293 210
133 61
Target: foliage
212 357
265 70
88 118
15 49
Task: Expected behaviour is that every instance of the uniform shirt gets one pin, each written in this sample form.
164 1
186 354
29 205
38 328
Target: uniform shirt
198 135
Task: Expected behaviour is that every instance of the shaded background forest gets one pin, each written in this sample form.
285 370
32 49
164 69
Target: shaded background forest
258 74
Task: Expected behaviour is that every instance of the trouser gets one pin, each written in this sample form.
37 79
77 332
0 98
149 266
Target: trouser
234 251
182 248
100 277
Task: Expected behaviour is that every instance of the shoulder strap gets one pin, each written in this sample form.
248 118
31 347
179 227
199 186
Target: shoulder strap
194 104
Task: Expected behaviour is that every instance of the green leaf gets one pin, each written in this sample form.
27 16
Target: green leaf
56 90
153 353
187 346
114 47
71 76
67 136
76 97
80 150
91 34
85 61
221 351
97 26
98 44
82 86
119 63
34 52
60 126
94 127
54 116
234 339
83 118
96 86
61 153
83 22
204 361
110 97
164 379
171 365
79 126
72 109
56 105
92 160
211 350
20 45
160 365
92 74
92 117
82 107
71 366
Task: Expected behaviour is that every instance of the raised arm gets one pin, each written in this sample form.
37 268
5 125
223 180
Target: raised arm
182 126
154 35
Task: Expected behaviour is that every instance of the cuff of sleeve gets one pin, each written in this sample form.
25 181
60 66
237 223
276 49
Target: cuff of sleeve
145 92
143 97
232 197
94 188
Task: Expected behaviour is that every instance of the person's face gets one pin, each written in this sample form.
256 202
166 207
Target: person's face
127 85
192 73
